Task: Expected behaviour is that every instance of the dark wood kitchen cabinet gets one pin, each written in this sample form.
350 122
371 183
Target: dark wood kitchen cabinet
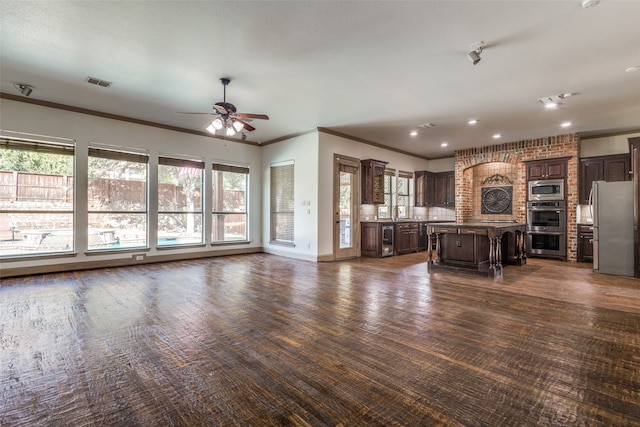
585 243
371 239
435 189
372 182
406 238
547 169
445 189
602 168
424 188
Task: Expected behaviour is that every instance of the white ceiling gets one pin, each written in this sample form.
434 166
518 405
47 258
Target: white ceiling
371 70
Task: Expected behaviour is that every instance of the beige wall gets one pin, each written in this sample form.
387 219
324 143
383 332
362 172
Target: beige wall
604 146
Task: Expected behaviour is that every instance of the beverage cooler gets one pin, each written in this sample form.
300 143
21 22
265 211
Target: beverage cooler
387 240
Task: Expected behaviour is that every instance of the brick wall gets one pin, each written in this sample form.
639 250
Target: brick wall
473 165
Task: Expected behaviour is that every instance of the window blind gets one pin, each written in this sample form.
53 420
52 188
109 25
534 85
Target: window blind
282 203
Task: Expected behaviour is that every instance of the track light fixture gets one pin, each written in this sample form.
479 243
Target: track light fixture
24 89
474 55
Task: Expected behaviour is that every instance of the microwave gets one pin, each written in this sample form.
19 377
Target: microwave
548 189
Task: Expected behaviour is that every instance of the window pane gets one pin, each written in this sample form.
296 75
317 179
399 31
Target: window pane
179 202
346 183
30 233
384 211
229 203
229 227
117 199
36 198
405 186
117 230
179 229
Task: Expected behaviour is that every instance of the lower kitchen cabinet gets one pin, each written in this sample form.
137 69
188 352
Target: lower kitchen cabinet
371 239
585 243
376 239
406 238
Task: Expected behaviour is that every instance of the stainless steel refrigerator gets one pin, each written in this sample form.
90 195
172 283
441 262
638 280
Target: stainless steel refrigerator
612 210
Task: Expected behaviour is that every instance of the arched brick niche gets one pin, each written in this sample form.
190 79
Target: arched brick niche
477 165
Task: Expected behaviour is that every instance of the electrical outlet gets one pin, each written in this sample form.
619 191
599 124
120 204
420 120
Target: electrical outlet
138 257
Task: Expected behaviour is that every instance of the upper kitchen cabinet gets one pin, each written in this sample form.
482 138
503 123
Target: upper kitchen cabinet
547 169
424 188
445 189
372 182
435 189
602 168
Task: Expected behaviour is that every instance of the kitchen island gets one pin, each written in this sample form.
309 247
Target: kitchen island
478 247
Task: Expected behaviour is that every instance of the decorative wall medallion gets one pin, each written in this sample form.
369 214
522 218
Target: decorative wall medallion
497 179
497 200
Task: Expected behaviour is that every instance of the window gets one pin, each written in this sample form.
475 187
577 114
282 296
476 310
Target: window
36 197
117 199
282 203
384 211
179 201
405 194
229 203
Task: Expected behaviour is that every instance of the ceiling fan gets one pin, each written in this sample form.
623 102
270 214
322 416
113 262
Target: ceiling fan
227 117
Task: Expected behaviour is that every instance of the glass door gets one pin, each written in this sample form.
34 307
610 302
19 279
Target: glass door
346 196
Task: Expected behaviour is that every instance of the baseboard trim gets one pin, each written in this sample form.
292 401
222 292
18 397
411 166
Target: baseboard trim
120 262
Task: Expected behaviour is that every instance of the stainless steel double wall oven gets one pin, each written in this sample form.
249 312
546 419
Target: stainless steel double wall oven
547 219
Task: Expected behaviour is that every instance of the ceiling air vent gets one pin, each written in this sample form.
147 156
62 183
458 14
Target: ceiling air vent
98 82
426 125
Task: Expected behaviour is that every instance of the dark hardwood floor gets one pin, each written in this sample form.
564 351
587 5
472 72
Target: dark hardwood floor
257 340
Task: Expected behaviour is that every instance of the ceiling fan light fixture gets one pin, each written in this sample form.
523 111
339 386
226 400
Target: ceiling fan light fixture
230 131
217 124
238 125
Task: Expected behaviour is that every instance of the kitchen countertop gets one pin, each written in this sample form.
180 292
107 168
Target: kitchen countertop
396 221
480 224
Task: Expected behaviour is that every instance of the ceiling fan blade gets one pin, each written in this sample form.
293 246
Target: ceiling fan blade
252 116
220 109
186 112
247 126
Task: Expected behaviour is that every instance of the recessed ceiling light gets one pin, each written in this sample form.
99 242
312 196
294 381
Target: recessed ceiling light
444 144
413 133
566 124
496 136
632 69
472 121
551 105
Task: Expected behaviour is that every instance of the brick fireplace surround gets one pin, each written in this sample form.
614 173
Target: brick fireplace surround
474 165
